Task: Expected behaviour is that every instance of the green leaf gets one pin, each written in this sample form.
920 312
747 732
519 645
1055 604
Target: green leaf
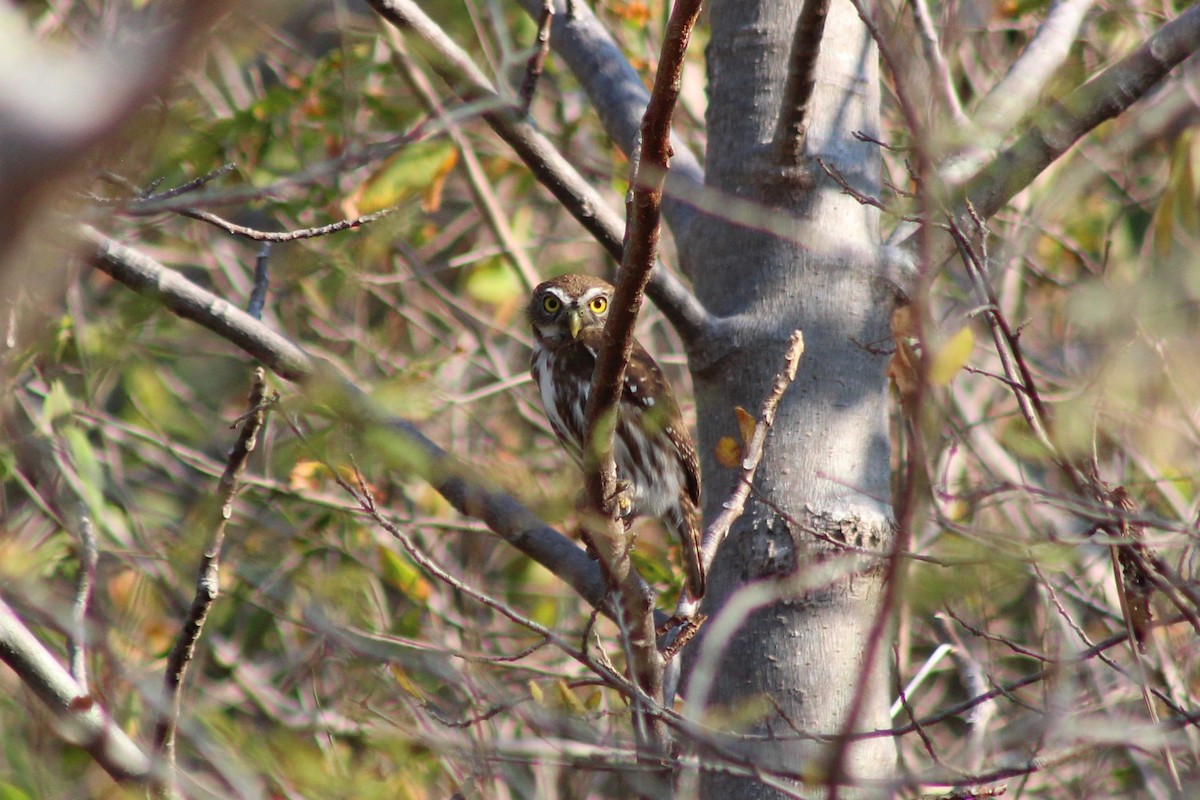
58 404
409 172
402 575
91 473
10 792
494 283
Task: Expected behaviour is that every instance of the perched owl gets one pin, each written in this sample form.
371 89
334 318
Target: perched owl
652 448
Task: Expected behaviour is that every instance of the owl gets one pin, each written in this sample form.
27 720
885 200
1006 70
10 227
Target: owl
653 451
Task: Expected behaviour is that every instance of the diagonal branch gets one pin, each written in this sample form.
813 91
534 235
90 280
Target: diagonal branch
82 720
217 513
1017 93
1058 128
548 165
943 83
502 513
1108 94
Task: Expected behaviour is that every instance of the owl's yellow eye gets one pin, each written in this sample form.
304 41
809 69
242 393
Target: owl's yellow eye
551 304
598 304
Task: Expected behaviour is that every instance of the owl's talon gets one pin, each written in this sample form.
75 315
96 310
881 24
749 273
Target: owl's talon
623 496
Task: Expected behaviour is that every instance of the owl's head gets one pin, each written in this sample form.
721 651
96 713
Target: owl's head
564 306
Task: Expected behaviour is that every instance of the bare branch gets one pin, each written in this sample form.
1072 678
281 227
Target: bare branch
801 78
77 641
732 509
502 513
537 61
1015 95
283 236
82 721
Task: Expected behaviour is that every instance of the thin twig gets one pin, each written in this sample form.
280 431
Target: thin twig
537 61
284 236
733 508
207 579
77 641
262 282
146 195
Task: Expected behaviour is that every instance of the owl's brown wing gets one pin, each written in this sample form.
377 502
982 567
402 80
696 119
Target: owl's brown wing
647 387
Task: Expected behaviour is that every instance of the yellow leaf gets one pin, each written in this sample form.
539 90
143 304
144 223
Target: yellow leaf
951 357
746 424
535 692
431 199
729 452
404 576
420 167
569 700
593 700
405 683
304 475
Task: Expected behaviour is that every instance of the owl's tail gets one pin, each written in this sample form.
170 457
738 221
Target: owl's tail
684 521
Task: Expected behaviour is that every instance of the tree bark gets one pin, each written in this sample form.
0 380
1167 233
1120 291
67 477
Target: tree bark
826 466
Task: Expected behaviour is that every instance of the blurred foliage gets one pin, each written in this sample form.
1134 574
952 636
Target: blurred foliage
332 665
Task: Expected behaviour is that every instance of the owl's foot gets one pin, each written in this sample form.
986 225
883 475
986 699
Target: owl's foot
623 497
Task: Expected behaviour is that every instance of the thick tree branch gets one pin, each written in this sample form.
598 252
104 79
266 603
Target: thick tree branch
619 96
641 252
1108 94
553 171
502 513
82 720
801 78
1015 95
1058 128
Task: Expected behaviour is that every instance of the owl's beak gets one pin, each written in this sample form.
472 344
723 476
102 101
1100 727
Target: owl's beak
574 322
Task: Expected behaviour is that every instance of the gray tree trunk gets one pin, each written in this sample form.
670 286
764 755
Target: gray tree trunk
827 460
